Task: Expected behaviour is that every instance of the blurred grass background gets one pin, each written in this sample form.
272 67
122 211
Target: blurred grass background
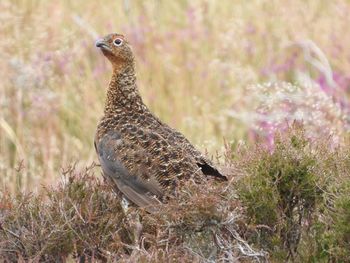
195 62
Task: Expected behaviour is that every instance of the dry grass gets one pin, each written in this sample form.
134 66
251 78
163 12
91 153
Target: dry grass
53 79
82 219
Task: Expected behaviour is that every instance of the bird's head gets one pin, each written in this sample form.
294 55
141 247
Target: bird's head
117 49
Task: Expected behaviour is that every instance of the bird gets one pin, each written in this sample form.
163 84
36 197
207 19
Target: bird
145 159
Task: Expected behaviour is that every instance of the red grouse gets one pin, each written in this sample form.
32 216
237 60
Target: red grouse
141 156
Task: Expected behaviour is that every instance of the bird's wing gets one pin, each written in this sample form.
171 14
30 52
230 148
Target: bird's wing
139 172
206 165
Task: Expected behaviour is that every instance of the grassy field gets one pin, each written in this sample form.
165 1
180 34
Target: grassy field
196 61
221 72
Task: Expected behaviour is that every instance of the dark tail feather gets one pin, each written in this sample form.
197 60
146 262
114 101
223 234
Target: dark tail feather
209 170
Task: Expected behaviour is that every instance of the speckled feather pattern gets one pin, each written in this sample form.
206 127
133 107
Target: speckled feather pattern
137 140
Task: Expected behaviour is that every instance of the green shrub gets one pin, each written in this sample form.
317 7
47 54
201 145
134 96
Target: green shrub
285 192
333 232
341 218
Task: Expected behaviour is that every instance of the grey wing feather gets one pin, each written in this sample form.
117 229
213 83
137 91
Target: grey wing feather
141 192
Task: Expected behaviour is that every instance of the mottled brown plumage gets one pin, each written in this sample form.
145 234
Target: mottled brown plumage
143 157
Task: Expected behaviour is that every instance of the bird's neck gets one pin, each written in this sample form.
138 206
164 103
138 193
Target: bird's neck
122 93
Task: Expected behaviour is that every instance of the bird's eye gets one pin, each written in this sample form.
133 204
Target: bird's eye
117 42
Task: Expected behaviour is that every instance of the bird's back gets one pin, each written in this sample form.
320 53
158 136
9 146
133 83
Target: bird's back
167 150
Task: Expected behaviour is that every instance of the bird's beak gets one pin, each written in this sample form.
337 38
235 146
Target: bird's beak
101 43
